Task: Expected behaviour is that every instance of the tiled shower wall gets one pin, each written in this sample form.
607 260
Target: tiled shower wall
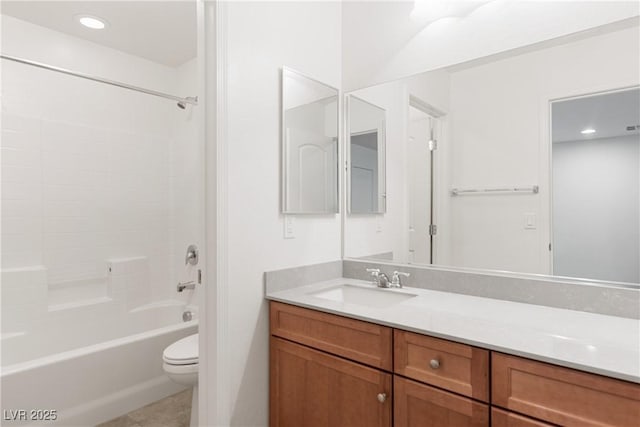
76 195
90 172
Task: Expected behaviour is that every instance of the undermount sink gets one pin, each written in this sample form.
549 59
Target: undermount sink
366 297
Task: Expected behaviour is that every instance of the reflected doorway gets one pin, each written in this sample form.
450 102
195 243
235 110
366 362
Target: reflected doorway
422 132
596 186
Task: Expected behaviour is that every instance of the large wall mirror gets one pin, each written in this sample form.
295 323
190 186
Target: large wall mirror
526 162
309 145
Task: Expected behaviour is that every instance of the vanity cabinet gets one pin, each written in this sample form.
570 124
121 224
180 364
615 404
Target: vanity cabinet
328 370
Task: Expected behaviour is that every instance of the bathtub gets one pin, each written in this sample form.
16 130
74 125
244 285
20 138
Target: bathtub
101 380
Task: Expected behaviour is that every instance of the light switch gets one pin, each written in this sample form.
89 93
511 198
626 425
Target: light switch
289 227
529 221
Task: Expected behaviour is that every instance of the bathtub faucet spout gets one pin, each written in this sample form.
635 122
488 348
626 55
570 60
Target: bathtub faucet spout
186 285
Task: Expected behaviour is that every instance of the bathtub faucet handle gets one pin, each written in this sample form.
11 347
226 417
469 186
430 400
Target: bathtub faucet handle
192 255
186 285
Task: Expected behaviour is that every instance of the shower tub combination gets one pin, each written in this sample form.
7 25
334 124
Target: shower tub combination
99 198
107 377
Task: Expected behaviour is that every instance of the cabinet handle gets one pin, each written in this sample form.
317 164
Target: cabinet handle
382 397
435 364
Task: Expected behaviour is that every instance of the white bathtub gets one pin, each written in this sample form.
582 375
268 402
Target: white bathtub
97 382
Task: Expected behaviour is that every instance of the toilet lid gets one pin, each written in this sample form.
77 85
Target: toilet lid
182 352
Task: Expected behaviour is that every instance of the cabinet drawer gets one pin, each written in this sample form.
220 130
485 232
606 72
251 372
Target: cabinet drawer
419 405
456 367
561 395
500 418
356 340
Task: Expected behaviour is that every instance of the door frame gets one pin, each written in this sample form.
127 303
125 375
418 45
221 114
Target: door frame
435 202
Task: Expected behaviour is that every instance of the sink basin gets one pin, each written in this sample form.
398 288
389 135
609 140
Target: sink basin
366 297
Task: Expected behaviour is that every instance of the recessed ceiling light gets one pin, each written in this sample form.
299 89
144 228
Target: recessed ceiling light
92 22
587 131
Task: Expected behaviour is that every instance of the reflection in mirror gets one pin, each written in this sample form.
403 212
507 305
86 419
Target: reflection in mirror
596 186
472 183
366 157
309 145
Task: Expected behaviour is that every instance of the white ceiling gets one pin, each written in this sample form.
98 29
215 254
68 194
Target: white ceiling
381 43
608 114
161 31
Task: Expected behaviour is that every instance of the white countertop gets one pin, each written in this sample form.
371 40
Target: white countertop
590 342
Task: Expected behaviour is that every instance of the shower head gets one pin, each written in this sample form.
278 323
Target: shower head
183 104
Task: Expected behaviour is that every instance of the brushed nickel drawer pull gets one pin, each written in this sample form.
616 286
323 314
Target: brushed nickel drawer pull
435 364
382 397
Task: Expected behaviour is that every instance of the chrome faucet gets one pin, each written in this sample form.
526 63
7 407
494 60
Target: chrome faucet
381 280
395 279
186 285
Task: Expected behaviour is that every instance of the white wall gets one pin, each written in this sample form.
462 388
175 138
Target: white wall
499 114
596 208
261 38
88 173
381 42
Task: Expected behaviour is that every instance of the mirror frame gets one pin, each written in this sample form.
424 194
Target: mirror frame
283 154
382 150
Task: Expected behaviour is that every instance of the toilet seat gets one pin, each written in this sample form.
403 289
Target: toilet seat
180 369
183 352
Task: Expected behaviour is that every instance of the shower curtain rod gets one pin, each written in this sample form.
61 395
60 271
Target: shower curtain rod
188 100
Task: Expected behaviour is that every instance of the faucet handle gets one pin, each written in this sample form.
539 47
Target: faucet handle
395 279
192 255
375 272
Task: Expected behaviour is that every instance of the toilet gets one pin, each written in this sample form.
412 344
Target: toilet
180 362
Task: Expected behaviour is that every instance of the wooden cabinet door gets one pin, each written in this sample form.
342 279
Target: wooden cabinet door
309 388
420 405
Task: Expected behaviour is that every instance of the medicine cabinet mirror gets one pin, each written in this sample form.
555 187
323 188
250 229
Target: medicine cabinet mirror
366 157
309 145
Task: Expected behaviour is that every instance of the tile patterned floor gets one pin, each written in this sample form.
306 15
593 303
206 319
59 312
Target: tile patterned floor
172 411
